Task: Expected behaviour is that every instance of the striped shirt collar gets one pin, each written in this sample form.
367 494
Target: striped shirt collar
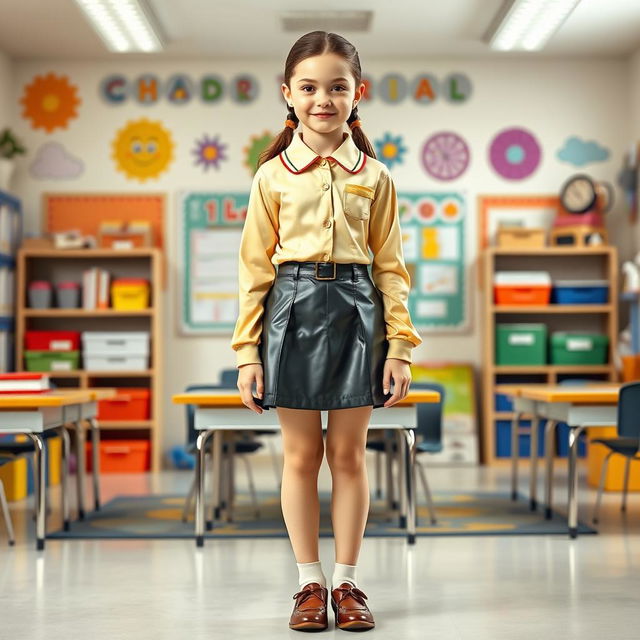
298 157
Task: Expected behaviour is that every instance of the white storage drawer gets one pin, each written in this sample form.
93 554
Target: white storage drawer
115 363
115 343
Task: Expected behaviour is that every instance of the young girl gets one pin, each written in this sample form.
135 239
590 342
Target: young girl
319 333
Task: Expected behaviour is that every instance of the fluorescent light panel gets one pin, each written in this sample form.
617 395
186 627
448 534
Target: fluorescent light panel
528 24
123 25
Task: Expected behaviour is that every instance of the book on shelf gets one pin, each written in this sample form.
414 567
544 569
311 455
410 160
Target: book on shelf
95 288
21 382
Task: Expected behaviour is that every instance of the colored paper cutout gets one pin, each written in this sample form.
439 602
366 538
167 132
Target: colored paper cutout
257 144
209 152
514 153
50 102
579 152
445 156
54 162
142 149
390 149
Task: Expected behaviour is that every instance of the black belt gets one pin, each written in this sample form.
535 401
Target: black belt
323 270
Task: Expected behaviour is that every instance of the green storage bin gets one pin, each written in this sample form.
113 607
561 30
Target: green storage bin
578 348
521 344
51 360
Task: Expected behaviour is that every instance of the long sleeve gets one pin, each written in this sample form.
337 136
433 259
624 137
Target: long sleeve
256 272
388 270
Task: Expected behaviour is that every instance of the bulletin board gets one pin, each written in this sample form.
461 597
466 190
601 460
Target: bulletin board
210 225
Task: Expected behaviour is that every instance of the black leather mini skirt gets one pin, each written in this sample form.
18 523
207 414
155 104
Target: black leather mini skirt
323 343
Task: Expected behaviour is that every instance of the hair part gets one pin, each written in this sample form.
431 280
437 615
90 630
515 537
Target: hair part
311 44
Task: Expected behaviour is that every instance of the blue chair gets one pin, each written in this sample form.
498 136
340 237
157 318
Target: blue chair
244 443
229 378
428 440
626 443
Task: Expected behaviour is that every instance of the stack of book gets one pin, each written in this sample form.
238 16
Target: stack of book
21 382
95 288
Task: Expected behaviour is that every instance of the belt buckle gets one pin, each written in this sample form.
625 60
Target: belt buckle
333 277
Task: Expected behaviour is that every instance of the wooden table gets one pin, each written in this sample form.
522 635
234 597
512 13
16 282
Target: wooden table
580 407
220 410
32 414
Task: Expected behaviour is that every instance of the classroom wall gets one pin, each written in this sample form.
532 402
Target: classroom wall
634 120
7 90
552 98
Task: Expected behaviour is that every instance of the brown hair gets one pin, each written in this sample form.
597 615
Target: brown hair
316 43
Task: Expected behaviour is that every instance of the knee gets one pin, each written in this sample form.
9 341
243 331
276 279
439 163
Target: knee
345 460
304 462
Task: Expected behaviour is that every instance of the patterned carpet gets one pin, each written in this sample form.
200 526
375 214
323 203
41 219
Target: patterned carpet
457 513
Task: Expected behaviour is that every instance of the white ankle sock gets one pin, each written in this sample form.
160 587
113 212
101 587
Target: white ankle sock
310 572
343 573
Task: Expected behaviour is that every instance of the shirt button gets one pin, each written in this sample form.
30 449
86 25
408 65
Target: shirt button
323 163
327 223
325 186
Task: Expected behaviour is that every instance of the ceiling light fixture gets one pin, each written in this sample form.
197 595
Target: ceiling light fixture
528 24
124 25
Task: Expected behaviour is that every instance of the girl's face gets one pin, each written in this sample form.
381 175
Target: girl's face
323 85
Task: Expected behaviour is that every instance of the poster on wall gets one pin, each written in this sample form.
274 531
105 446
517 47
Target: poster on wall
210 229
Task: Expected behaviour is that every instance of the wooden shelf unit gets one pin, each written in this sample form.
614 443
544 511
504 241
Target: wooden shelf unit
597 262
56 265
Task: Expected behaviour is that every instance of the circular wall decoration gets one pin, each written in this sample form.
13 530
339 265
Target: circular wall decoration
445 156
427 209
514 154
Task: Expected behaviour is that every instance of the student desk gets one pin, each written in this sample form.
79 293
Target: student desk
580 407
220 410
32 414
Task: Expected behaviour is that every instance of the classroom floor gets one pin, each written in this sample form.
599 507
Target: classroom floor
466 588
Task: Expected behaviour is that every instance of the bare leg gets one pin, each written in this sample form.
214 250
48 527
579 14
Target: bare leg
346 440
303 452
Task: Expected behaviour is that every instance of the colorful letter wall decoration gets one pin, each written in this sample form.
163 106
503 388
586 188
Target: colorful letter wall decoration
142 149
50 102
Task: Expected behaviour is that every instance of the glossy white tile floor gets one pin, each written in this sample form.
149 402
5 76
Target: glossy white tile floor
471 588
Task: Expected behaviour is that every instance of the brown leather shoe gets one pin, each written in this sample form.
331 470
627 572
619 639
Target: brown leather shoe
352 613
310 611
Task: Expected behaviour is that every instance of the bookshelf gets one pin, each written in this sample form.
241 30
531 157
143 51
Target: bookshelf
58 265
599 262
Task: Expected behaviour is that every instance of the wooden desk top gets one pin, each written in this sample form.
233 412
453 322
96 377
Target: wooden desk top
53 398
601 393
230 398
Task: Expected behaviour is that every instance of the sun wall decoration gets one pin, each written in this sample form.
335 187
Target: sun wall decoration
390 149
142 149
256 146
50 102
209 152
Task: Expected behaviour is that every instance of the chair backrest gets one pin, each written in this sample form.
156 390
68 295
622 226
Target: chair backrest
430 413
629 410
229 378
192 433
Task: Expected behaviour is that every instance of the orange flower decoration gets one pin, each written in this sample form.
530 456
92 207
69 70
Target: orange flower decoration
50 102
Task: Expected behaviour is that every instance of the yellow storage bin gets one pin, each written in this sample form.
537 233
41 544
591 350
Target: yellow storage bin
14 478
129 294
614 479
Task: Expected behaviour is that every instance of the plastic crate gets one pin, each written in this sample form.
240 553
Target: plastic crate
503 402
580 292
121 456
129 404
51 360
52 340
523 288
503 439
578 348
521 344
130 293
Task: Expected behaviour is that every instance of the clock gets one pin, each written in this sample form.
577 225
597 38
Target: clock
580 193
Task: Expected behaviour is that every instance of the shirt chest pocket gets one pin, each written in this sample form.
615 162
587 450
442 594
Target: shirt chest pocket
357 200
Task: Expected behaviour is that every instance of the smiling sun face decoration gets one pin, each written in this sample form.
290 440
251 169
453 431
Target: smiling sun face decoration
142 149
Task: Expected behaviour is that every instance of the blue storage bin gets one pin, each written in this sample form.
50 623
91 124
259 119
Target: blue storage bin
503 402
562 442
580 292
503 439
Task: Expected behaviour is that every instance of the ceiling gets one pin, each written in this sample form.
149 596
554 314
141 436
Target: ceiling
41 29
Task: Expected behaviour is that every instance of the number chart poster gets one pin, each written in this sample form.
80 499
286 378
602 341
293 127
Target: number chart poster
433 231
433 226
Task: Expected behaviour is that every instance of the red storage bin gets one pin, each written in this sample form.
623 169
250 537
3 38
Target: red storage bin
522 288
122 456
131 403
52 340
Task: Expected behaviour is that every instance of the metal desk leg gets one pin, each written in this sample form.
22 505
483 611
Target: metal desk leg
533 472
80 466
574 433
402 474
515 450
66 451
216 462
409 455
201 443
231 477
388 451
549 452
40 484
95 461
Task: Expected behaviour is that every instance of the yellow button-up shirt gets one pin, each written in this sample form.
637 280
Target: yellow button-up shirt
305 207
